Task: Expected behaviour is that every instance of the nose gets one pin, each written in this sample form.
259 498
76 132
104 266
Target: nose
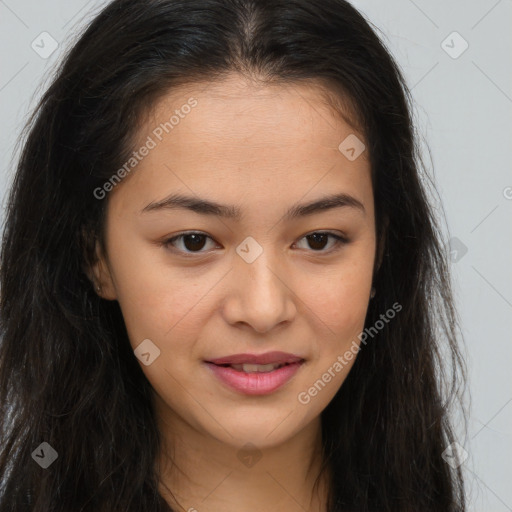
260 294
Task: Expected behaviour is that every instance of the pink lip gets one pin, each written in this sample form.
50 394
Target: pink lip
266 358
255 383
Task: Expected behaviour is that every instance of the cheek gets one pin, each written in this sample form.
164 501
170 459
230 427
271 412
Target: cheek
160 310
340 300
156 301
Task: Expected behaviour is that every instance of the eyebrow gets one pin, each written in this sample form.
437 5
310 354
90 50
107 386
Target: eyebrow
207 207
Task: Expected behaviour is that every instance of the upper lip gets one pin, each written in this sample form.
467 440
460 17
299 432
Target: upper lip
266 358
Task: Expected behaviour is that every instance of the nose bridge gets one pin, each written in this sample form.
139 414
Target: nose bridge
261 297
257 268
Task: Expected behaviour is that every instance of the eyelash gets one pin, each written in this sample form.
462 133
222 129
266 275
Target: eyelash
339 242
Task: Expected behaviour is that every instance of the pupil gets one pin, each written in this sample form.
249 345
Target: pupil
315 238
194 245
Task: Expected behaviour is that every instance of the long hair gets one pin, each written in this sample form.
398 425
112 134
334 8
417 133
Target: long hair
68 376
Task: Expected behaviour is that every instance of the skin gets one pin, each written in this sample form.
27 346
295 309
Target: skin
264 149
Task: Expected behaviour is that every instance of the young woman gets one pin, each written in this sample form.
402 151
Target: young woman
222 283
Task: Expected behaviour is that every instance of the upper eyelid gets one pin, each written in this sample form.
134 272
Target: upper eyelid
185 233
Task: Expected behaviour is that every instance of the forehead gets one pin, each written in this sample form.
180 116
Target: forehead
290 110
241 136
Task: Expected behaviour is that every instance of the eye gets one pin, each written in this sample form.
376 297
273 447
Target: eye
318 240
192 242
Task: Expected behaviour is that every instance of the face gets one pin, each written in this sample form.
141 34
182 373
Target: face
275 264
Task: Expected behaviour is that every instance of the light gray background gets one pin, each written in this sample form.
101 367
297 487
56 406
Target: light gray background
463 111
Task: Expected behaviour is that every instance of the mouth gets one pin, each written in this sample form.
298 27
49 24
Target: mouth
256 374
265 359
256 368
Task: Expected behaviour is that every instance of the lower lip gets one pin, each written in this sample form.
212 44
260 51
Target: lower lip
255 383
